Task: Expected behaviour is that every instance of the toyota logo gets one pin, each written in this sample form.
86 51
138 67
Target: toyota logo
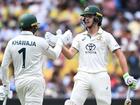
90 47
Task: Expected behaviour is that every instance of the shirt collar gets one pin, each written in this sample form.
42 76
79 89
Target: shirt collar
26 33
100 31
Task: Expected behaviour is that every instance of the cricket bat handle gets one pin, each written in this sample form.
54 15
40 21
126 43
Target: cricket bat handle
5 100
128 100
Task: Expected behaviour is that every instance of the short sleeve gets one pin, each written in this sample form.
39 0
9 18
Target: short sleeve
111 42
75 43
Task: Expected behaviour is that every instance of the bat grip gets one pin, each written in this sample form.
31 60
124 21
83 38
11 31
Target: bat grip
5 100
128 93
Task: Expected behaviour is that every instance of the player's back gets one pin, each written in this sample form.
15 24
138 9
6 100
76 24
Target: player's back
27 51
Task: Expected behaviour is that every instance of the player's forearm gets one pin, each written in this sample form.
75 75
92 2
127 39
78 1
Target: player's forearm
123 64
66 52
122 61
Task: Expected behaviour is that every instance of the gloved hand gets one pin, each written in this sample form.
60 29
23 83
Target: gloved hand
130 81
5 92
2 93
67 37
51 38
59 32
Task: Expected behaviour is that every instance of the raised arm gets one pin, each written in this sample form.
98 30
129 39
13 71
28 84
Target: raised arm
65 38
69 53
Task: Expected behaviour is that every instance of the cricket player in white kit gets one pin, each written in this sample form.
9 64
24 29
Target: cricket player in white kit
93 46
26 52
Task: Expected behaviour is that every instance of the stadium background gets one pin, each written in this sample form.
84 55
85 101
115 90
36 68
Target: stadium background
121 18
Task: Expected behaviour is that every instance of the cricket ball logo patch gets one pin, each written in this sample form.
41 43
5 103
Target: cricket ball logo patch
90 48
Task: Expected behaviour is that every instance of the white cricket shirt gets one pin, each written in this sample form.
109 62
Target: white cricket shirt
26 51
93 50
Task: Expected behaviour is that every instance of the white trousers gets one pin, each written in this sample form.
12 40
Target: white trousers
97 83
30 91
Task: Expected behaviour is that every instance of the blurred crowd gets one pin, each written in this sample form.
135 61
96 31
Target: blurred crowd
121 18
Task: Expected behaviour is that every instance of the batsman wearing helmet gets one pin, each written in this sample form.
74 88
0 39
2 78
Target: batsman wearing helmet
26 52
93 46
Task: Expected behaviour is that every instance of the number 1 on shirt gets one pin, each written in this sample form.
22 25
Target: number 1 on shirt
23 51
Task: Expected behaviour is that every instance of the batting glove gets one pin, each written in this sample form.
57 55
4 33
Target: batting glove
67 37
59 32
5 92
51 38
130 81
2 93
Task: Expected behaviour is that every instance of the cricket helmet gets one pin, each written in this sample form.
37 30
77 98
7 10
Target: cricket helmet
27 21
93 10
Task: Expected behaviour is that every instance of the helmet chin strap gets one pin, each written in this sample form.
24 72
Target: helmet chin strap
83 23
34 30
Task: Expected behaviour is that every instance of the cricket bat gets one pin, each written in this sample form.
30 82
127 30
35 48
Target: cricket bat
5 100
128 100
